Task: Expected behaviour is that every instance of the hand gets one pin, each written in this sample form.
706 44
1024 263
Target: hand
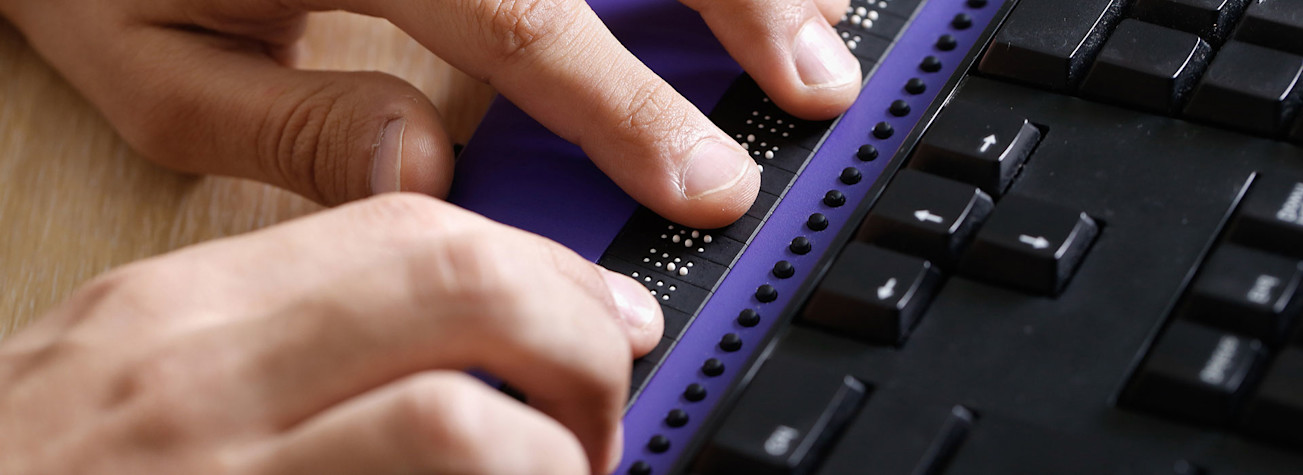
334 344
204 86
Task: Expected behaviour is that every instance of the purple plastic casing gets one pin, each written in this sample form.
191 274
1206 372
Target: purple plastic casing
517 172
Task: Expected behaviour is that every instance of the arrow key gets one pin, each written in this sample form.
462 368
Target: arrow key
1030 245
873 294
977 145
926 216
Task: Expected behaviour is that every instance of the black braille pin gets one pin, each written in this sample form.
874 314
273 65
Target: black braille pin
800 245
883 130
851 176
962 21
899 108
817 222
748 318
867 153
766 293
694 392
783 269
676 418
712 367
834 198
640 468
730 342
658 444
915 86
930 64
947 42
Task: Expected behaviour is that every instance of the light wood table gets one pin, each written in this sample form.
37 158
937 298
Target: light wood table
75 201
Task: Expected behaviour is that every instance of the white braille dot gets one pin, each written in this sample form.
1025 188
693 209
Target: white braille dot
661 284
652 250
687 243
645 259
671 267
745 146
658 264
751 138
845 35
873 15
768 118
690 264
765 99
678 260
672 288
675 239
773 131
655 292
663 236
855 18
665 297
700 250
755 153
769 154
755 113
760 167
707 239
671 227
683 271
857 38
882 4
868 24
791 126
646 279
665 255
852 44
696 234
784 134
635 274
861 11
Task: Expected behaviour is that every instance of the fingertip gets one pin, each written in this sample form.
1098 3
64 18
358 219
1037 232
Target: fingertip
640 314
427 163
718 182
829 74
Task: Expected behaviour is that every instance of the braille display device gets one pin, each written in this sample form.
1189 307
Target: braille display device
1051 236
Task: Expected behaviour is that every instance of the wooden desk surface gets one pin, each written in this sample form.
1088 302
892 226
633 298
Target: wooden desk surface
76 201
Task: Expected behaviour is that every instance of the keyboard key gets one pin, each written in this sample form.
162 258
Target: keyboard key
1276 411
901 433
873 294
1276 24
1148 67
1195 373
1245 291
1051 43
1271 216
1249 88
981 146
784 422
926 216
1030 245
1210 19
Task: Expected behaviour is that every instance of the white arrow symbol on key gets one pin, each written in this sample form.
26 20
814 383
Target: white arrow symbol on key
987 142
1037 242
887 290
925 215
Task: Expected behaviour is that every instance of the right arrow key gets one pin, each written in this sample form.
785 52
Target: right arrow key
1030 245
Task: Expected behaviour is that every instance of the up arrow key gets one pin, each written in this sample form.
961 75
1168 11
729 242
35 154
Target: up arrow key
987 142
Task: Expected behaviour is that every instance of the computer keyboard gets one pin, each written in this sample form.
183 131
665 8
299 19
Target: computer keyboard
1051 236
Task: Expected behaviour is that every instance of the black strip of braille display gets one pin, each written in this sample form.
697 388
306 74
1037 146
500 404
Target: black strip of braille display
712 367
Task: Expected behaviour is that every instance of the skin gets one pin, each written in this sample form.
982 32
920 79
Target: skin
338 343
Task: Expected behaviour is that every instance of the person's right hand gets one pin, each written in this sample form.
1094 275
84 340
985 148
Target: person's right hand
204 86
333 344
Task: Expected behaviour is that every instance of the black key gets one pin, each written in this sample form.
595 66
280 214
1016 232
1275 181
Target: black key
873 294
1030 245
1051 43
669 291
1148 67
926 216
775 180
764 204
788 417
1276 411
1276 24
1211 19
981 146
1245 291
1249 88
1271 216
1196 373
645 367
898 433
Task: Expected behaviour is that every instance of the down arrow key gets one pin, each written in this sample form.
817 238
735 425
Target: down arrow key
873 294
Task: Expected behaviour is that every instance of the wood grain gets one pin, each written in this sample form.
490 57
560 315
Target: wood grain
75 200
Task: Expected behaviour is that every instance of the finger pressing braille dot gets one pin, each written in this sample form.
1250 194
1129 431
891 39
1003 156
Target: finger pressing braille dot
947 42
712 367
748 318
658 444
817 222
676 418
899 108
694 392
783 269
930 64
800 245
915 86
730 343
851 176
976 3
867 153
834 198
766 293
962 21
640 468
883 130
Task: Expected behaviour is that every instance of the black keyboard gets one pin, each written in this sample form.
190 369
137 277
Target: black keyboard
1053 236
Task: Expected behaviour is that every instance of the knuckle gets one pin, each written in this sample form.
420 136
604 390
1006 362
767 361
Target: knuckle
525 25
445 411
651 110
300 131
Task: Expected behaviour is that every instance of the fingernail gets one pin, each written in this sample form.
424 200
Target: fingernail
387 158
637 306
821 58
713 167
